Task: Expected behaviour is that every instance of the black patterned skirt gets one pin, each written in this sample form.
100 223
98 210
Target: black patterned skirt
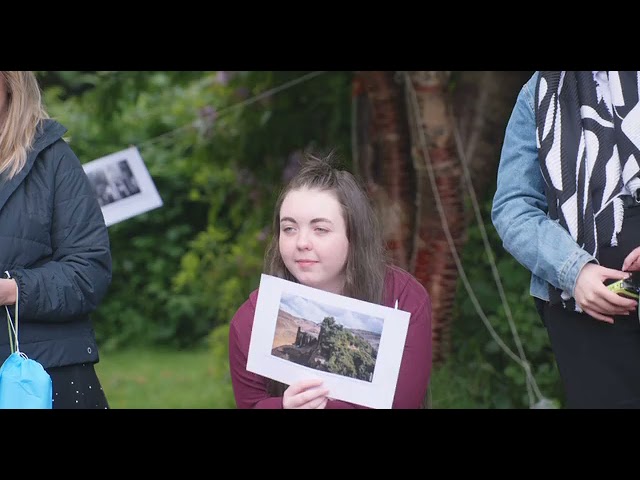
77 386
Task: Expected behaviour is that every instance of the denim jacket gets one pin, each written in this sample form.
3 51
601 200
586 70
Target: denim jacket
519 211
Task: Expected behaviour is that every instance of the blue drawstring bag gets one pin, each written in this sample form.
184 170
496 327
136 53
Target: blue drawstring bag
24 383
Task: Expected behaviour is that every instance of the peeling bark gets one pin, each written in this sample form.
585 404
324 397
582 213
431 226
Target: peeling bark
384 161
389 156
433 262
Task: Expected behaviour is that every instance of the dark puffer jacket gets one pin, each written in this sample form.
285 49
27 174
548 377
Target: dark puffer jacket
54 243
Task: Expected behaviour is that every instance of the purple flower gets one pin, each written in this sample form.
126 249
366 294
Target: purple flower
293 165
206 119
223 77
245 177
263 234
242 93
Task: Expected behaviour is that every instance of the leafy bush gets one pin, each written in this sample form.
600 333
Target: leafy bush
218 152
493 378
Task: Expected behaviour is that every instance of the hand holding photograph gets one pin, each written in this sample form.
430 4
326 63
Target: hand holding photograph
354 346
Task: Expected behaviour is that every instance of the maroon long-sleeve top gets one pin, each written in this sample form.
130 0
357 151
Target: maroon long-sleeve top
250 389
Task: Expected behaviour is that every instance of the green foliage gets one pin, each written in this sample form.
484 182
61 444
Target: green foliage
218 159
219 155
346 354
218 346
492 379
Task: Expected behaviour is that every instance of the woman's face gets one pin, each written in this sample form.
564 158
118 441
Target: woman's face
313 239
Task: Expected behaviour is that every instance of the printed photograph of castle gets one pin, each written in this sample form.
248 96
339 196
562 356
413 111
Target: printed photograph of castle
327 338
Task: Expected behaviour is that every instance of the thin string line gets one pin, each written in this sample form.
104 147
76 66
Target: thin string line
235 106
531 383
424 147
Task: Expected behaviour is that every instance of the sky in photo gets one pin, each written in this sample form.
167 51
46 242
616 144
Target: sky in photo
316 312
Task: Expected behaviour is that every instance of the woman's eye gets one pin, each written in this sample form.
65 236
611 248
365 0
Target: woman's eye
321 230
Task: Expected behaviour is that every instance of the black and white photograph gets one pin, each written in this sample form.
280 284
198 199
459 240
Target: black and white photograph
355 347
114 182
123 185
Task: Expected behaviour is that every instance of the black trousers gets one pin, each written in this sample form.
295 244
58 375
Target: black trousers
599 363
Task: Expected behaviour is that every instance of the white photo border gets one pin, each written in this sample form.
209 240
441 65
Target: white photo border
147 199
378 393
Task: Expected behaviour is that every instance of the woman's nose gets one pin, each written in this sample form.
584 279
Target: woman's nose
303 242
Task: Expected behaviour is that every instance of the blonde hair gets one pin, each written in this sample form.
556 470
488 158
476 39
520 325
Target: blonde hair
24 112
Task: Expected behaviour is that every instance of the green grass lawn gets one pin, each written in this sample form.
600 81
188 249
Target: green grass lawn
155 378
164 379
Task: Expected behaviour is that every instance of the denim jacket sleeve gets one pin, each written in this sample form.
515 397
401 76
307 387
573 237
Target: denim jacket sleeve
519 211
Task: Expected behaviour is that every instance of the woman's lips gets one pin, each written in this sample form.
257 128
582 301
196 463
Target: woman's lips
306 263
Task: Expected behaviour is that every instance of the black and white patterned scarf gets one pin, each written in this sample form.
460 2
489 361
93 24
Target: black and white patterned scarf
588 135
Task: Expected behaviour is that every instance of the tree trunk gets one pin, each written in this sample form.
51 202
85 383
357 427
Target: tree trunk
383 161
482 104
391 127
434 153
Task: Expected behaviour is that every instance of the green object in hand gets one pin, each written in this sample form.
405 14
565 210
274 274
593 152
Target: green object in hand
629 287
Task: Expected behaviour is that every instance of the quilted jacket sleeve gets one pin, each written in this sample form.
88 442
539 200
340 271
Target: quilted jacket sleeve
78 275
